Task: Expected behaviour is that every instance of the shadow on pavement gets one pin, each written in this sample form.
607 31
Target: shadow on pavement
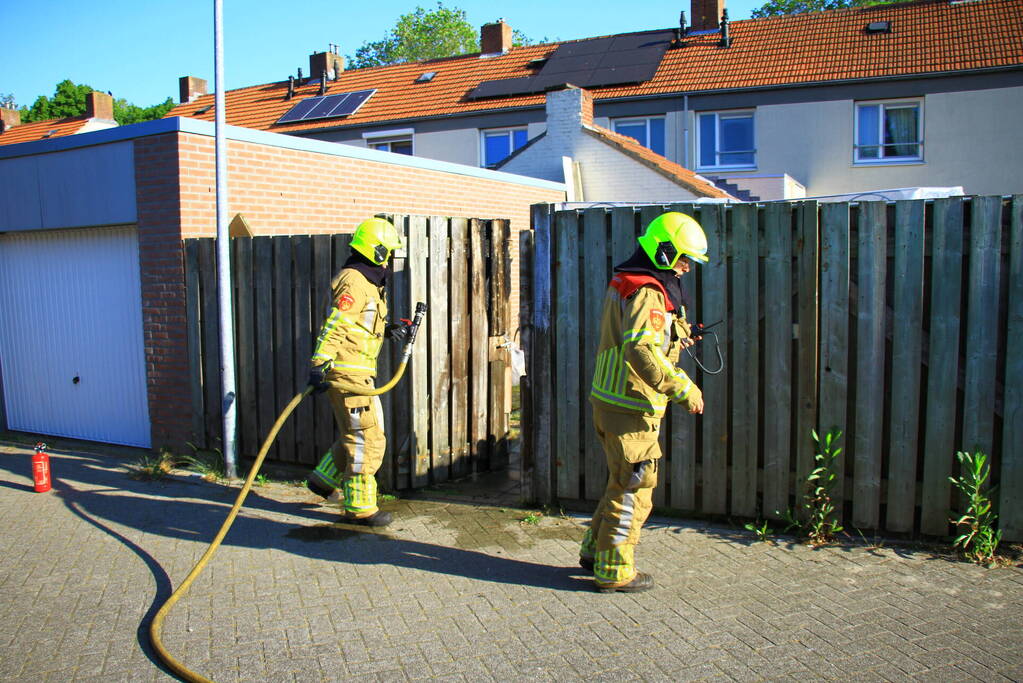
150 506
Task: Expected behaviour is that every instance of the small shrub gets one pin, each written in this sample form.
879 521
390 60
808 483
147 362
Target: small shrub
532 518
762 531
208 463
978 539
153 467
820 524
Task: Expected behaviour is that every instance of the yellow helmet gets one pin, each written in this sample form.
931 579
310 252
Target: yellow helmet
376 239
671 235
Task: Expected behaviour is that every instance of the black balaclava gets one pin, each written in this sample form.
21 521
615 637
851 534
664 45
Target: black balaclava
374 273
639 262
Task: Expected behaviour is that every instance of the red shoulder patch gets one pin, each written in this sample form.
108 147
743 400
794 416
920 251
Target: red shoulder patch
657 319
345 302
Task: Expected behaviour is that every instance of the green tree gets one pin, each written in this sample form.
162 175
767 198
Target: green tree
420 35
773 8
425 34
69 100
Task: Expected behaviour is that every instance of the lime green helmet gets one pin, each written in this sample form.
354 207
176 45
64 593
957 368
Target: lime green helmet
376 239
671 235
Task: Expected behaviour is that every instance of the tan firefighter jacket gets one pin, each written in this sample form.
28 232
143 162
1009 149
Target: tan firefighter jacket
353 331
640 341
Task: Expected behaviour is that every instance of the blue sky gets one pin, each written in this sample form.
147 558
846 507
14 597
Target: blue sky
137 49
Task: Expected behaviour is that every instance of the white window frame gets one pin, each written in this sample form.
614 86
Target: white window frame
884 106
645 120
382 139
751 114
507 130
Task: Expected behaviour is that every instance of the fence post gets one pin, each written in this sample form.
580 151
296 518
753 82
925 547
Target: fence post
777 357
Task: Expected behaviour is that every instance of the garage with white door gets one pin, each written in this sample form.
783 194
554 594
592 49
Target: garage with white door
71 343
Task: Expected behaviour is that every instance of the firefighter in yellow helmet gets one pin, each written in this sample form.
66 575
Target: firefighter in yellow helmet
642 331
346 350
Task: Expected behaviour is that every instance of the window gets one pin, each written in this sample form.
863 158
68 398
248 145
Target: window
888 131
725 140
648 132
498 143
396 145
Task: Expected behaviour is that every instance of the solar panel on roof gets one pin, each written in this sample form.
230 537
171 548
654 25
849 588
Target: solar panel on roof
327 106
632 58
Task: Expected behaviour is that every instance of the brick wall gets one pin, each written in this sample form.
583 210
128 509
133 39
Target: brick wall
163 289
281 191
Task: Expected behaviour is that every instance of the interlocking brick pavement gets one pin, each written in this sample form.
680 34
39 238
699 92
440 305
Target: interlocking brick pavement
457 590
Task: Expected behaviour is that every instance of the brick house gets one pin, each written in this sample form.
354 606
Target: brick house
910 94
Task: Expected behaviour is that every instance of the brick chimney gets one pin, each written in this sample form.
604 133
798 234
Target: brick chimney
99 105
191 88
706 14
9 118
331 62
495 38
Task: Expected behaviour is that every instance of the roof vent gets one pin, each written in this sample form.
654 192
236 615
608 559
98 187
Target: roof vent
878 27
536 63
426 77
203 110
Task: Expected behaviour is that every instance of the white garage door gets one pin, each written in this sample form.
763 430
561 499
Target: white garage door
71 343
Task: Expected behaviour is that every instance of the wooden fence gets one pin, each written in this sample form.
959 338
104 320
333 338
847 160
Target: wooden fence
899 323
449 415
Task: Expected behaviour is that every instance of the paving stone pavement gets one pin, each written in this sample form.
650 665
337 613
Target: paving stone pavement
457 591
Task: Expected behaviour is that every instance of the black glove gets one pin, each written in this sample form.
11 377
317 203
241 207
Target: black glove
398 331
318 379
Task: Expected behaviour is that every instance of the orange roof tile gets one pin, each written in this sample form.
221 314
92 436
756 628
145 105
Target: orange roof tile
927 37
39 130
696 184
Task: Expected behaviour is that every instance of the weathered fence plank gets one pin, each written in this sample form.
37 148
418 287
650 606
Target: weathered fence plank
808 346
566 356
714 307
943 364
1010 501
284 346
595 277
541 360
302 321
527 418
479 355
871 260
777 356
907 344
440 360
982 324
266 394
460 341
245 347
499 387
834 343
419 447
210 315
745 373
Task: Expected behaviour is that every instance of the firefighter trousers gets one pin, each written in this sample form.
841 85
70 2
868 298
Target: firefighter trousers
633 451
359 451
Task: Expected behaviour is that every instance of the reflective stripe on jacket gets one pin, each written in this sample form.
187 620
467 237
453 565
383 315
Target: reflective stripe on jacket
633 371
353 330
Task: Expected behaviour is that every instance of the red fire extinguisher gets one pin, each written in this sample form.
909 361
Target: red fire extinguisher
41 468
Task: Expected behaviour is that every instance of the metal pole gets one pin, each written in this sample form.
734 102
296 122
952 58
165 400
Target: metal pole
224 286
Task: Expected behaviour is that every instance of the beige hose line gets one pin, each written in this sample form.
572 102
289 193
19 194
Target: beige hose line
156 627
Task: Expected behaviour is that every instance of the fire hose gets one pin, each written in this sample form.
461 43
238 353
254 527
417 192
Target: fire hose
156 627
